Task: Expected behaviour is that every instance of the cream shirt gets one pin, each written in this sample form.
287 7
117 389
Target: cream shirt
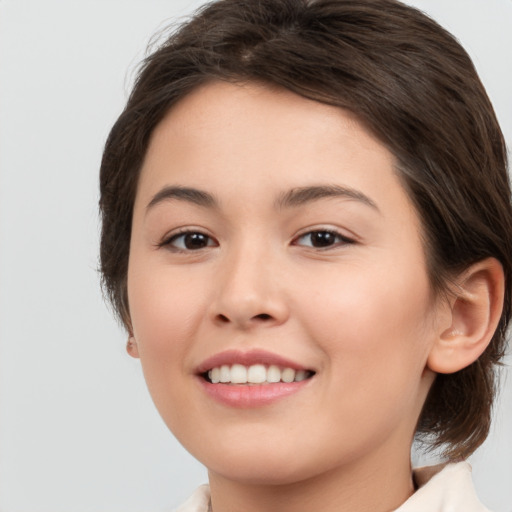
443 488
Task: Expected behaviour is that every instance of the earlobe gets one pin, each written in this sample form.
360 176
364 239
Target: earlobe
476 308
131 344
131 347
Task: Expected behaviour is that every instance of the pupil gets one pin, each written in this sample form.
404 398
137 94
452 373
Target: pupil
195 241
322 239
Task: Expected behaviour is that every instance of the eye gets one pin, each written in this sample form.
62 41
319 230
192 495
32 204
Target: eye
189 241
322 239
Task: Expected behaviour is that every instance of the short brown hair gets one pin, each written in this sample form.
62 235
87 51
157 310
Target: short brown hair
410 82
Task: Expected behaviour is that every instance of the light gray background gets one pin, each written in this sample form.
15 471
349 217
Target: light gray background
78 431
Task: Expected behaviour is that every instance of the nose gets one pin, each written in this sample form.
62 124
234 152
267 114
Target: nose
250 292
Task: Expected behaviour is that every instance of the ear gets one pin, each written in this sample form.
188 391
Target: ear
476 308
132 347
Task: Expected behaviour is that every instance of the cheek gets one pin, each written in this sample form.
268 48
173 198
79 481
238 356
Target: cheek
166 312
166 307
366 299
373 325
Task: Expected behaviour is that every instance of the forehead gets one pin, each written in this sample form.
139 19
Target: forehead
223 130
258 112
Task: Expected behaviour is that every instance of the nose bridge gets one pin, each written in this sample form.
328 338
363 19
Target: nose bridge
249 289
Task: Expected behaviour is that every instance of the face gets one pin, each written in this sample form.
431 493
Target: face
277 285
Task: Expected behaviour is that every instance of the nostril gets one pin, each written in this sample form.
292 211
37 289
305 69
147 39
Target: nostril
263 316
224 319
242 320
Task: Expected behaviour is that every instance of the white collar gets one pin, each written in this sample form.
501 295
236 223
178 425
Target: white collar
442 488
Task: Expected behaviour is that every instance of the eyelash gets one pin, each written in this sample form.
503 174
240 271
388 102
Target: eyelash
341 240
168 242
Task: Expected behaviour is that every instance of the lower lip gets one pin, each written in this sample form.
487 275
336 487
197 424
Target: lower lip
254 395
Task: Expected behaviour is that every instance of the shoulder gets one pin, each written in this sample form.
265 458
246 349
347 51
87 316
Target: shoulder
443 488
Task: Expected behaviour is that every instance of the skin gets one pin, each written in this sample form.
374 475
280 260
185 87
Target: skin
359 312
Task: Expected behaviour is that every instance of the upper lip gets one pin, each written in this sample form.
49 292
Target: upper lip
249 358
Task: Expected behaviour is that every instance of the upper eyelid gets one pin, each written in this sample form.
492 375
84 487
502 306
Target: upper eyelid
315 229
345 239
175 233
166 239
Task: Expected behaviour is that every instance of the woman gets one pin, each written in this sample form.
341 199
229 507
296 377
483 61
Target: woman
306 233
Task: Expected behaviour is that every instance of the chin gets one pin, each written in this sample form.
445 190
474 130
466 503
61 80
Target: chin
261 463
263 472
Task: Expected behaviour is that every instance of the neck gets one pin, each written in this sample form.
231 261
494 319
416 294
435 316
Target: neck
351 488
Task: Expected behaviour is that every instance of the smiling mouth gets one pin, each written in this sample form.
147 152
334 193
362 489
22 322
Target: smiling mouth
256 374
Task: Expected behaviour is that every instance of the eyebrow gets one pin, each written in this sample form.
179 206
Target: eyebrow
303 195
188 194
295 197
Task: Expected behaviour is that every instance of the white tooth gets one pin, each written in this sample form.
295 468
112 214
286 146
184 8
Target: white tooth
210 374
300 375
215 375
238 374
225 374
273 374
288 375
256 374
